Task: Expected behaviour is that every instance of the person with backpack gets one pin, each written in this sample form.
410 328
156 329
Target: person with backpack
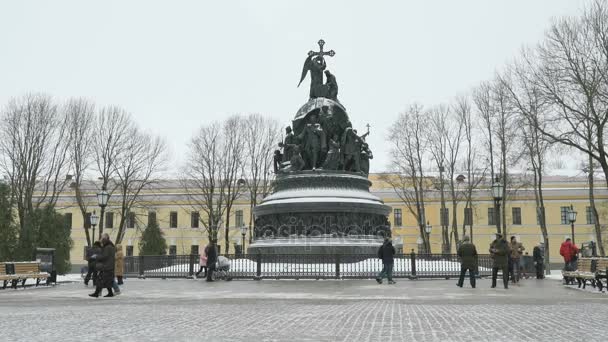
386 253
569 252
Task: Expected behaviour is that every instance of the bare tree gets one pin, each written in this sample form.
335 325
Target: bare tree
570 69
262 135
136 168
454 135
33 146
531 107
474 175
408 150
80 117
112 132
212 175
437 134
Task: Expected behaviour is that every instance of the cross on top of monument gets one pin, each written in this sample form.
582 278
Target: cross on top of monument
321 53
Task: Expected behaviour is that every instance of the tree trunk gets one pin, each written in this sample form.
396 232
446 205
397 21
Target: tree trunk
598 228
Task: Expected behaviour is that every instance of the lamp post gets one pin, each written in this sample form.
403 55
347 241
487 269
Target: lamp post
94 218
428 228
572 219
497 190
102 200
243 232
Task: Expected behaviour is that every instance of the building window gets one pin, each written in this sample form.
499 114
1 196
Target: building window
397 218
590 216
444 218
87 220
151 218
173 219
173 250
194 249
195 218
468 216
491 217
239 218
564 214
131 220
109 220
516 213
68 220
129 250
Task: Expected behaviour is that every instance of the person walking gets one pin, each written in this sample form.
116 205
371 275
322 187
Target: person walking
539 262
119 267
499 251
516 250
468 261
569 252
202 262
91 272
386 252
105 263
211 252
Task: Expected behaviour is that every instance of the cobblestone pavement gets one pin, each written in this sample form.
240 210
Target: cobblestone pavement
332 310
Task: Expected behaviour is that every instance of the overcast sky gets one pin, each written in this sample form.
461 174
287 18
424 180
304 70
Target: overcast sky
176 65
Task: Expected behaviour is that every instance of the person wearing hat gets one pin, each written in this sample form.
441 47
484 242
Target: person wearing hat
468 261
499 251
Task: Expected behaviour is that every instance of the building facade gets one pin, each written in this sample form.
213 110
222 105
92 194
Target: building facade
182 223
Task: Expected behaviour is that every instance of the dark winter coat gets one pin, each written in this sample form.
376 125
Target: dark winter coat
499 249
91 261
387 253
468 255
537 254
211 252
105 265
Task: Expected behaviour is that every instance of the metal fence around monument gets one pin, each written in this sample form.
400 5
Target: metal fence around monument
294 266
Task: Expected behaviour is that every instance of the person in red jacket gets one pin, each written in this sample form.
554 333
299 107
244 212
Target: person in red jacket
569 251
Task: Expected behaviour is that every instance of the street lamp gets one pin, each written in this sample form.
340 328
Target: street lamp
572 219
94 218
102 200
497 190
243 232
428 228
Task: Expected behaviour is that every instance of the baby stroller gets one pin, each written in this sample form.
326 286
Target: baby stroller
222 267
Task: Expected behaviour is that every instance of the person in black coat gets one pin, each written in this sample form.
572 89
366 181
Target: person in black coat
105 263
539 260
211 252
387 254
91 272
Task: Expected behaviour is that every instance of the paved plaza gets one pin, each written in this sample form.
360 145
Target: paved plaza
331 310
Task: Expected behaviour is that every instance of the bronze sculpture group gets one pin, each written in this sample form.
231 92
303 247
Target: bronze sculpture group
324 137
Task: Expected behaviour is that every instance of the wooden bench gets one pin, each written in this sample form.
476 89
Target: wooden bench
28 270
585 272
4 277
601 271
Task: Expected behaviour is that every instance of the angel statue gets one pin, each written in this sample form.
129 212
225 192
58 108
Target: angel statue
315 63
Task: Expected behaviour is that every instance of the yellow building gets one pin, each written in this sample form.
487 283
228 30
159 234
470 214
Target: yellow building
168 204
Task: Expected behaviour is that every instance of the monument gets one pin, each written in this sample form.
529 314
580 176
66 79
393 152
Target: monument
321 202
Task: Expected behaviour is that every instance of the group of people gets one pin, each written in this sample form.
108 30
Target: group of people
105 267
506 256
207 261
312 149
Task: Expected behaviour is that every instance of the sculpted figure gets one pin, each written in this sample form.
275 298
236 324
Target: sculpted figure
366 155
331 86
276 160
288 144
351 151
296 163
314 142
332 161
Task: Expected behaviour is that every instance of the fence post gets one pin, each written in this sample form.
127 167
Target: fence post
337 266
258 270
191 269
141 266
413 261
